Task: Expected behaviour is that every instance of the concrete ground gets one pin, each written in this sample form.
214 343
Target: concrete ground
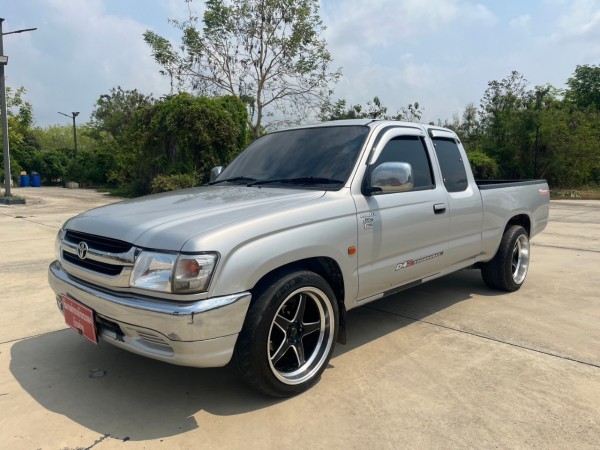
450 364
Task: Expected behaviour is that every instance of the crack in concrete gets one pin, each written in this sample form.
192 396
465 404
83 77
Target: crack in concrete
98 441
564 247
489 338
10 341
31 221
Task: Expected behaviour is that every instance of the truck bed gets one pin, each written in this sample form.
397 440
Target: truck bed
496 184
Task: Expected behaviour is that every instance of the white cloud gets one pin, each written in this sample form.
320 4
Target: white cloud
384 22
581 23
386 49
107 48
79 52
521 21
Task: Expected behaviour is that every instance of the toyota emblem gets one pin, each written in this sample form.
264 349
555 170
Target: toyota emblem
82 250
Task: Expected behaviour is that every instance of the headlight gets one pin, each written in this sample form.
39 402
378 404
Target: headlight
169 272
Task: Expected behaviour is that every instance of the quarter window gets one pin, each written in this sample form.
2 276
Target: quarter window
452 165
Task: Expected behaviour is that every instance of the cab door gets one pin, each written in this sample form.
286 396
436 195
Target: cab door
402 236
465 206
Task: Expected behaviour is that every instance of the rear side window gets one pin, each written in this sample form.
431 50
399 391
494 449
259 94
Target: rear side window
452 165
410 149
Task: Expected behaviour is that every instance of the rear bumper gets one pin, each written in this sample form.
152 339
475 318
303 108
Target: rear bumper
199 334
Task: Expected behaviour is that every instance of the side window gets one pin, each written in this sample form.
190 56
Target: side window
452 165
410 149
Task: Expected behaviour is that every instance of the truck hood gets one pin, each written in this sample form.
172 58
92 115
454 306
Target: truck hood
167 221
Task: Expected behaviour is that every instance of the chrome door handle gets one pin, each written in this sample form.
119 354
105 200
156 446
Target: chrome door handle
439 208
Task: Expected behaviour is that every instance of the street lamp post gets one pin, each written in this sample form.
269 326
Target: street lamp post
3 109
72 116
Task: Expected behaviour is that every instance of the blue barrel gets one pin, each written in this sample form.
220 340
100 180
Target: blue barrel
24 181
36 180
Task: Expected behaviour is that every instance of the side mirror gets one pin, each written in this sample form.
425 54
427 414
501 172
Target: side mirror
215 172
390 177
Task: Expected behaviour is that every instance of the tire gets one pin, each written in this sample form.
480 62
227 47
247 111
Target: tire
289 334
508 269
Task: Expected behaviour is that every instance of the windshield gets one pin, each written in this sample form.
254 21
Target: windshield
321 156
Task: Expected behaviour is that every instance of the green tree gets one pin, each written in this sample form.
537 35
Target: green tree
113 155
374 109
506 133
56 137
538 132
114 113
52 164
469 129
23 144
484 166
175 141
267 53
584 87
193 134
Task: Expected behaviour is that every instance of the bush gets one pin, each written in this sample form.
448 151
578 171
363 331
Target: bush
164 183
484 167
51 164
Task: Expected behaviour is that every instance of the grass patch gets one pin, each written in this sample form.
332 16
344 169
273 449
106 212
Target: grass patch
585 193
12 200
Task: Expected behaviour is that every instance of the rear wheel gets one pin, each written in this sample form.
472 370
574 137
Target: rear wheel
508 269
289 334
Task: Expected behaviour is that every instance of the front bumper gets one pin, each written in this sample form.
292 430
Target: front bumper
199 334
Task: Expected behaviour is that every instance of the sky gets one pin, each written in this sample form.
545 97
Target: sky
440 53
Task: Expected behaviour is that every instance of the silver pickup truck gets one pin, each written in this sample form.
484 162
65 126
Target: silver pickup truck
260 266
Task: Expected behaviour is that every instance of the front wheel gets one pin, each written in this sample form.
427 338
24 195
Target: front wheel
289 334
508 269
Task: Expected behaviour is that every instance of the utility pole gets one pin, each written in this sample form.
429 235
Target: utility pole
74 114
3 109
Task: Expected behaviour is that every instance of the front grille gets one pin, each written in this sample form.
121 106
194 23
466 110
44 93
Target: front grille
95 266
98 242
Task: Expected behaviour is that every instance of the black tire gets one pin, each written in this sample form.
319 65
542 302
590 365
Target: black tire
508 269
289 334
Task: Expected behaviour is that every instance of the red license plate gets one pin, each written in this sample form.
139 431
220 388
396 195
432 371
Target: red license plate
80 318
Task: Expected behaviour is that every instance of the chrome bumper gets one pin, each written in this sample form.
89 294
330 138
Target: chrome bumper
200 334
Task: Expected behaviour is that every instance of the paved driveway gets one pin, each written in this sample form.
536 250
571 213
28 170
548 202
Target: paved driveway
450 364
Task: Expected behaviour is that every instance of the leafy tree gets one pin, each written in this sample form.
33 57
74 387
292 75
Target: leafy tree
51 164
374 109
267 53
503 119
177 136
469 129
193 134
539 132
23 144
484 167
115 112
56 137
584 87
113 128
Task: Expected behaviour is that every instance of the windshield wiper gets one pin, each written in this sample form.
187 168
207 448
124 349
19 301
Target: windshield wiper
299 180
234 179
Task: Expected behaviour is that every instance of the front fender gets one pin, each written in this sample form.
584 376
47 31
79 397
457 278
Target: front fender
250 261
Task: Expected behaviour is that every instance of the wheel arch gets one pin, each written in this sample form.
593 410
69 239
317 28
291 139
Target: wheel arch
521 219
323 266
